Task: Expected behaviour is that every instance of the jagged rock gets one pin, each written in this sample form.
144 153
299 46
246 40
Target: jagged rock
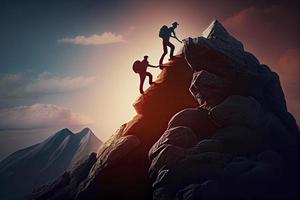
252 147
226 55
210 89
179 136
195 118
129 174
217 52
227 159
237 110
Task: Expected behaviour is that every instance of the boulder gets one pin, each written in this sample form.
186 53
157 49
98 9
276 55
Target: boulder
278 138
195 118
239 140
187 169
237 110
179 136
217 52
209 145
169 156
209 89
255 179
274 101
208 190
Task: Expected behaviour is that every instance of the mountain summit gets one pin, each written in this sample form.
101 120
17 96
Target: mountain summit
38 164
214 125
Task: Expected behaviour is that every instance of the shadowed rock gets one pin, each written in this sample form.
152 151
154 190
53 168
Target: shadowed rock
210 89
237 110
195 118
128 174
180 136
248 143
217 52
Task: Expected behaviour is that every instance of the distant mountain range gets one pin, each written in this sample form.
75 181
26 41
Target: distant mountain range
43 162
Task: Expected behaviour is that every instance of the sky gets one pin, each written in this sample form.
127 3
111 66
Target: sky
68 63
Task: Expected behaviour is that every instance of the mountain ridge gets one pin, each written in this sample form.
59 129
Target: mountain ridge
45 161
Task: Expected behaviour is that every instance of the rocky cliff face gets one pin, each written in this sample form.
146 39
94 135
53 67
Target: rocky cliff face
241 142
214 125
121 171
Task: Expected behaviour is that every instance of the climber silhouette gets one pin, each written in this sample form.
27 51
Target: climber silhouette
140 67
165 33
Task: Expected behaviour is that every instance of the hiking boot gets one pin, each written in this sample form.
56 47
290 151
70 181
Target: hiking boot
174 57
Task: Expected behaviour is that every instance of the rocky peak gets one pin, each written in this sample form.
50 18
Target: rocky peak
229 146
84 132
217 34
217 39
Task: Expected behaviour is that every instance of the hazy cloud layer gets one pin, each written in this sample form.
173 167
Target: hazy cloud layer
104 38
20 85
40 116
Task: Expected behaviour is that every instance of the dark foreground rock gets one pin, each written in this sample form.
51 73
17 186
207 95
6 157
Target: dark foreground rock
243 145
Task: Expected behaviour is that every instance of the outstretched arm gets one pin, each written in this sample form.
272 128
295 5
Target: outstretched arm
152 66
174 36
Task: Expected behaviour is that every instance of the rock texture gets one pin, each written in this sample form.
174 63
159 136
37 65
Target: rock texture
127 176
238 142
243 145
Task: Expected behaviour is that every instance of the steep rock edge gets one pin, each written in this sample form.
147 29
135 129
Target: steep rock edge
121 169
122 164
241 143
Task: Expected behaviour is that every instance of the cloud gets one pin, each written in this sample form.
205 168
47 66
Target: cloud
289 70
267 31
289 65
104 38
39 116
20 85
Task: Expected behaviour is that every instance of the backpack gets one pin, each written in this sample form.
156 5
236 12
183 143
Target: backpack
137 65
164 32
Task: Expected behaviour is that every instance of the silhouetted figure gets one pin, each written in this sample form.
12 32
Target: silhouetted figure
141 68
165 33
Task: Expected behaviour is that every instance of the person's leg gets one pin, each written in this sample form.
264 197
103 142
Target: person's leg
164 53
142 80
150 78
172 49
